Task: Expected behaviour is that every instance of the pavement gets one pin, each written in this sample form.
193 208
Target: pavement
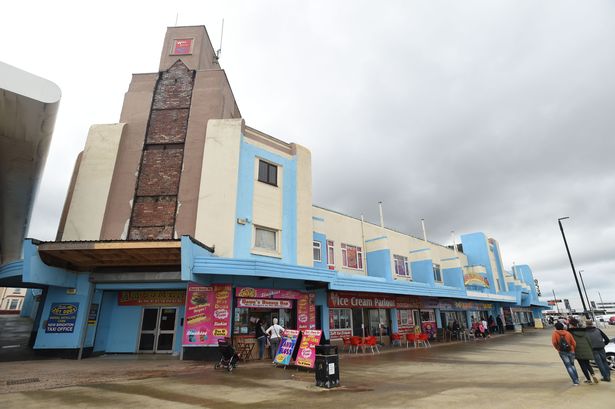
510 371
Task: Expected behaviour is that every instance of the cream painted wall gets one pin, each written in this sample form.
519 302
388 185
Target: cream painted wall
304 205
267 200
215 220
87 208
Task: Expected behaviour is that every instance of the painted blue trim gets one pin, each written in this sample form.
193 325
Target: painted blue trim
376 239
379 264
248 153
322 239
37 272
189 250
422 271
142 286
12 269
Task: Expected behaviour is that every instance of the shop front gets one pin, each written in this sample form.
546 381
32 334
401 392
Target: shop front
360 314
293 309
413 311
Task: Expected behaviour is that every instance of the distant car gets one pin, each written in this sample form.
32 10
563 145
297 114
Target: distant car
612 320
610 354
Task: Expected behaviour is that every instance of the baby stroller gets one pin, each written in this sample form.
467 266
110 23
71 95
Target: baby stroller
229 358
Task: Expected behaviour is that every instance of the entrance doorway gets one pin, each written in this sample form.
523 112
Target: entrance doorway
157 330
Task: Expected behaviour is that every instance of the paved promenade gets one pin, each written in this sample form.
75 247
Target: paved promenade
512 371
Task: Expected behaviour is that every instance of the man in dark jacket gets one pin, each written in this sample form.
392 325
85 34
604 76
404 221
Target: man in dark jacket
500 324
583 351
598 340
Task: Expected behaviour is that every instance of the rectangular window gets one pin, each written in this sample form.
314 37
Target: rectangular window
437 274
317 252
341 318
267 173
14 304
406 318
330 253
352 256
401 265
265 238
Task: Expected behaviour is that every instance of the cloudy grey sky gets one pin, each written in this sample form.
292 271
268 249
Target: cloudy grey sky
494 116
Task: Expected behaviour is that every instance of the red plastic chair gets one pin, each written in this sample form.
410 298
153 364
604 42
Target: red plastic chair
410 338
355 343
371 342
395 339
423 339
347 343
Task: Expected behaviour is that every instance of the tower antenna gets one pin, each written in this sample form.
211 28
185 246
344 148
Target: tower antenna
176 17
220 48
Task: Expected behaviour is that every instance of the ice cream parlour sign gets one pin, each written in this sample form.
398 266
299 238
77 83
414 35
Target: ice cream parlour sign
358 300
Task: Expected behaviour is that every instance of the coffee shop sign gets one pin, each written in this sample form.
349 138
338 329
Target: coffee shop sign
356 301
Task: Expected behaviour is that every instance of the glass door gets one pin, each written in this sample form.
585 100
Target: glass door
157 330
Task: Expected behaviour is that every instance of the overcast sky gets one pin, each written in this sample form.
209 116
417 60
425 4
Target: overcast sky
493 116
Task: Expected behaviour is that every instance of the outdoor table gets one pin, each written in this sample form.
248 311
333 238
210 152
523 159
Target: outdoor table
244 350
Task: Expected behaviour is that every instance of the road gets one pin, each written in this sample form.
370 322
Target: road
511 371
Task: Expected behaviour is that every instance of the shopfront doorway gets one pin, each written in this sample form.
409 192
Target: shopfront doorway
157 330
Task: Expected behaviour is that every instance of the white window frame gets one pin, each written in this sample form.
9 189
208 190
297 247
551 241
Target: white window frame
316 245
359 253
436 267
264 251
406 317
346 310
401 261
330 253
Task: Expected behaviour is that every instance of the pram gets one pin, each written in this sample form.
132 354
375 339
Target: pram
229 358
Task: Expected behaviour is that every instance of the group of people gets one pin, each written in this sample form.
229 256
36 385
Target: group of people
583 344
482 327
268 337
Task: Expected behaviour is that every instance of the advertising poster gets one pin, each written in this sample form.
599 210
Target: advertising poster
303 313
250 292
207 316
93 314
307 348
62 317
286 348
312 306
429 328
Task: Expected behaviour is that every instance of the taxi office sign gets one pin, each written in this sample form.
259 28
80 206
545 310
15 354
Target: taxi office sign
62 317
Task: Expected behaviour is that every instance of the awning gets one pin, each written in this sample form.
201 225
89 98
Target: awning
101 255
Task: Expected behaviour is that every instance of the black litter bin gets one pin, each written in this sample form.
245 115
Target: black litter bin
327 366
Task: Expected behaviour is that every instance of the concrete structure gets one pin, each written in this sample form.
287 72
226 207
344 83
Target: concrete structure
184 225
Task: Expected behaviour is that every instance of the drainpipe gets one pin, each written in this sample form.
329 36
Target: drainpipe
84 331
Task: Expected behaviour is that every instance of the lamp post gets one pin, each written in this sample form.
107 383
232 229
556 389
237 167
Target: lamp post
574 272
586 296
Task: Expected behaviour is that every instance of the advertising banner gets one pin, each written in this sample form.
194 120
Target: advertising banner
429 328
287 347
303 313
263 303
307 348
93 314
340 333
475 279
182 46
62 317
312 306
208 314
249 292
157 297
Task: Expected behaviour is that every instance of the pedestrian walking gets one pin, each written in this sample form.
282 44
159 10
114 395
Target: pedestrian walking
565 344
583 351
500 324
261 338
275 333
598 340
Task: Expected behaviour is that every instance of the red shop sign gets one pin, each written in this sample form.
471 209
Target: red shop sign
359 300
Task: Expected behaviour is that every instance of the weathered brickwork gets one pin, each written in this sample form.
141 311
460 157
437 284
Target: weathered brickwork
160 172
154 211
155 204
168 126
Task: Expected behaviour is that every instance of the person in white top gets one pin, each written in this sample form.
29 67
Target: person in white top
275 334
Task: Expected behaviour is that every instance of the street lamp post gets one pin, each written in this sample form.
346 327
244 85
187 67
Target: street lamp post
586 296
574 272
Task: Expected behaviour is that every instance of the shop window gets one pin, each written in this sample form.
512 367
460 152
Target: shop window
330 253
406 318
265 238
401 266
341 318
437 273
428 316
267 173
317 251
352 256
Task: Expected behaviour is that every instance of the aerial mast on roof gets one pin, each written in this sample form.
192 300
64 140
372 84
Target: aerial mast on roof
219 51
